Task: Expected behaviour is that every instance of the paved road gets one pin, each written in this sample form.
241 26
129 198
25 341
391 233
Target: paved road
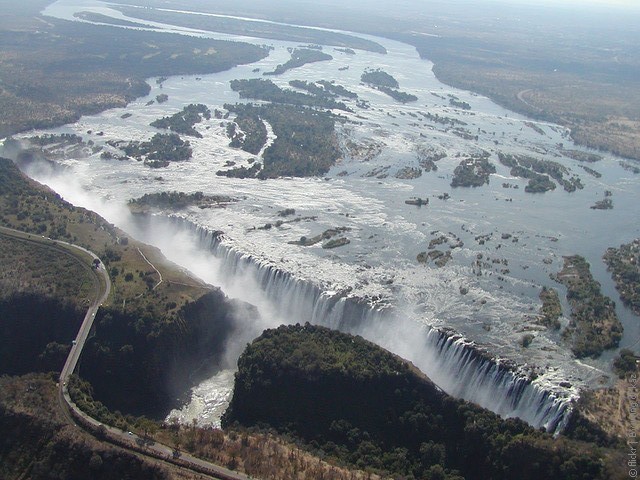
123 439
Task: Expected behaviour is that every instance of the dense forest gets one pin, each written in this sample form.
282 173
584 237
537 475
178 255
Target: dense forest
305 143
356 402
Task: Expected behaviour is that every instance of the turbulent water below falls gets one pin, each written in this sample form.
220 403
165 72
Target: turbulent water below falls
520 236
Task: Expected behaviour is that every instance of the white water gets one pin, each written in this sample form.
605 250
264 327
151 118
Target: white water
379 264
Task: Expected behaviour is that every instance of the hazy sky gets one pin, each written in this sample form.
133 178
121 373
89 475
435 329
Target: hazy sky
578 3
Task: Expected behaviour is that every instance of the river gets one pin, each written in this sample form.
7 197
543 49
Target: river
521 236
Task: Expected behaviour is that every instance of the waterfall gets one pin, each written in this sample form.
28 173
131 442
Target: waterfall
455 364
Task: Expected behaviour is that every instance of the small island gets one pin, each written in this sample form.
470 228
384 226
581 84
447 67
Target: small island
473 171
183 121
605 204
386 83
268 91
417 201
323 88
326 235
176 201
161 149
455 102
300 57
538 173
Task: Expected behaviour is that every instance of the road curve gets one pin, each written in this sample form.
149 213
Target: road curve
126 440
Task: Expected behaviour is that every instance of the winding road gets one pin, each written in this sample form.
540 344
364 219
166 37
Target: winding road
126 440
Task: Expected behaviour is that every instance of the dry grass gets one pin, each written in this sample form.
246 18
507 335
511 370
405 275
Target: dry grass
261 455
614 409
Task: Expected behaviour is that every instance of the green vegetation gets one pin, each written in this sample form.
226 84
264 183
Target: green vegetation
54 71
473 171
53 139
242 172
173 327
379 78
144 356
175 201
300 57
626 362
594 324
252 135
551 309
526 340
37 330
305 143
582 156
44 290
591 171
538 173
335 89
409 173
82 394
148 342
26 206
384 82
397 95
161 149
183 122
266 90
358 403
323 88
624 264
604 204
163 97
256 454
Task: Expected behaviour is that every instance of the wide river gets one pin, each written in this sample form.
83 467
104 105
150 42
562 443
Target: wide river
521 237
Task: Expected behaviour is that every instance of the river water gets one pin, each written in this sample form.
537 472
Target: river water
525 235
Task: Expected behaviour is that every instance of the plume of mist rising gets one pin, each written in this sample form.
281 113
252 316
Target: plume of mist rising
180 247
